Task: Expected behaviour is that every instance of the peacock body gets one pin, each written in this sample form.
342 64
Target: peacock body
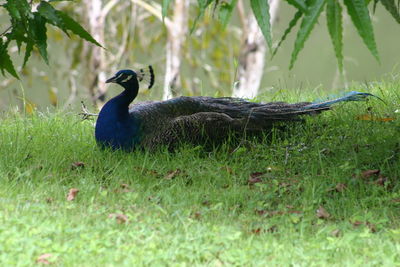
196 120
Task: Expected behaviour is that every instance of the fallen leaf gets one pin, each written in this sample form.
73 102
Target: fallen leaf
254 180
147 171
336 233
227 169
276 212
357 223
77 165
381 181
172 174
285 185
256 231
196 215
371 227
206 203
72 194
44 258
368 117
369 173
124 188
256 175
322 213
339 188
30 107
121 218
396 200
261 212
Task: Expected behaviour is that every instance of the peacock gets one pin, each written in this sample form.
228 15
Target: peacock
197 120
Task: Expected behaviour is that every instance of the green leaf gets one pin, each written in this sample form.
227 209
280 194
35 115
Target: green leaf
308 23
38 29
18 9
5 60
76 28
12 8
299 4
261 12
165 6
203 4
335 28
225 12
28 50
17 33
359 14
292 23
48 12
390 6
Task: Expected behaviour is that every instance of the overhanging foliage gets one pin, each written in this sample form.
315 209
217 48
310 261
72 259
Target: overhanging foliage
28 27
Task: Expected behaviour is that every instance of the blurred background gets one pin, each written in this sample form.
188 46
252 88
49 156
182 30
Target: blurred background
135 36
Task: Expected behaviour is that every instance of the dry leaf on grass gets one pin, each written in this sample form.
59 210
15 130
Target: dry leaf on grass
395 200
276 212
371 227
121 218
256 175
252 181
369 173
72 194
322 213
196 215
336 233
77 165
357 223
44 258
381 181
256 231
172 174
369 117
227 169
338 188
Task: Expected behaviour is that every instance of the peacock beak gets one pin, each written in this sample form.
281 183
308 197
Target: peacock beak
112 79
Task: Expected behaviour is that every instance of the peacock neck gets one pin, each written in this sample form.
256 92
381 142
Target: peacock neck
129 94
115 127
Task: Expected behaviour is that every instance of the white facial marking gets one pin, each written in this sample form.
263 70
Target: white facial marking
119 75
127 78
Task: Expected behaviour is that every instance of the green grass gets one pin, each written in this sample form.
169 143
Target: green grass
208 214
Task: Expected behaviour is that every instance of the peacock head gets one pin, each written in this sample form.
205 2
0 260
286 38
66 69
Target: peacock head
126 77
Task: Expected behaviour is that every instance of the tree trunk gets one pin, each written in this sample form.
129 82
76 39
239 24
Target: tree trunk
252 55
177 31
96 63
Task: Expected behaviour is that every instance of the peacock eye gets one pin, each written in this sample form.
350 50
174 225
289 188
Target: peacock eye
127 78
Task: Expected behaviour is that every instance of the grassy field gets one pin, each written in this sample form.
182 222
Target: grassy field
309 196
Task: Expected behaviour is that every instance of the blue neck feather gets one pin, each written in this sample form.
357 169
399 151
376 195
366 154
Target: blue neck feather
115 126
